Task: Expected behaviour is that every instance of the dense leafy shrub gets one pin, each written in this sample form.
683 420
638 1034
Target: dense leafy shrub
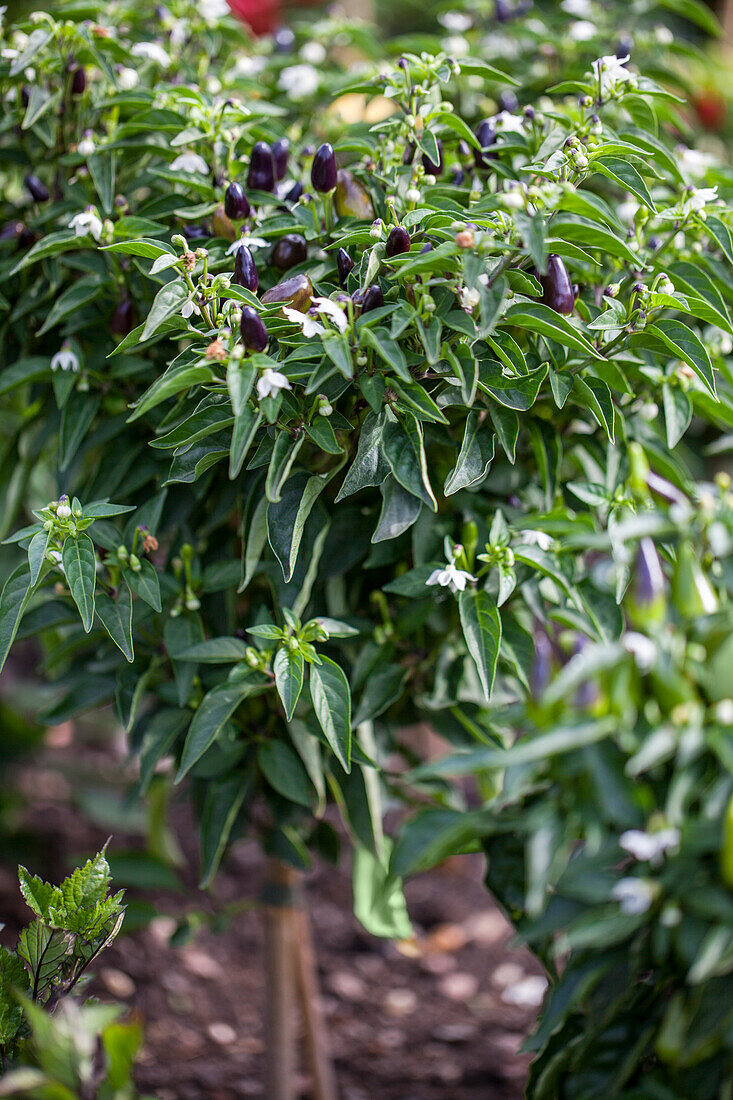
393 454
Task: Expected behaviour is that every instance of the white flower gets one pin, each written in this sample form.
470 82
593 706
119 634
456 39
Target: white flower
55 557
527 993
178 32
249 66
470 298
582 31
270 382
536 538
634 895
189 307
88 223
693 163
641 648
65 359
63 511
579 8
663 35
611 72
211 10
649 847
507 123
309 326
313 53
627 211
455 21
697 198
299 81
151 51
190 163
251 242
456 45
413 194
332 310
127 79
450 577
86 146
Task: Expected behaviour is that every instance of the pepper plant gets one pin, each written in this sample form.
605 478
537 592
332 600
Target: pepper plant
328 429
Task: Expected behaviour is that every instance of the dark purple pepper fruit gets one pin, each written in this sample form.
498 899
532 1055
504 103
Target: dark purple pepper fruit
78 80
236 203
293 193
38 190
556 286
323 171
398 242
430 166
11 231
458 177
485 135
508 101
252 327
280 154
345 264
625 46
245 269
372 298
409 154
426 248
502 11
261 174
289 251
25 95
123 318
648 576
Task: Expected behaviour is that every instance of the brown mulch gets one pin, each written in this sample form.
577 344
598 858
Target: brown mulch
427 1025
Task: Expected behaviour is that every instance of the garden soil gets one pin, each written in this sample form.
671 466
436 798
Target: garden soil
431 1021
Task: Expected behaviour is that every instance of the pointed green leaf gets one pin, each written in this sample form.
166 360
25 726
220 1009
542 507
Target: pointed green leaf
482 630
80 566
332 703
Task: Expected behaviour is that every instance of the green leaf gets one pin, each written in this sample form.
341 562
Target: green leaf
215 651
283 456
286 518
86 885
677 413
116 618
369 467
474 459
172 382
243 433
720 232
151 249
38 894
73 298
224 799
215 709
387 349
168 301
37 554
379 900
688 346
44 950
145 584
595 394
404 449
332 703
518 391
284 771
288 669
626 176
399 511
555 326
80 567
482 630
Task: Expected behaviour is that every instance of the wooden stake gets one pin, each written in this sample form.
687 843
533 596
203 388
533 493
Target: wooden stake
279 927
316 1041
